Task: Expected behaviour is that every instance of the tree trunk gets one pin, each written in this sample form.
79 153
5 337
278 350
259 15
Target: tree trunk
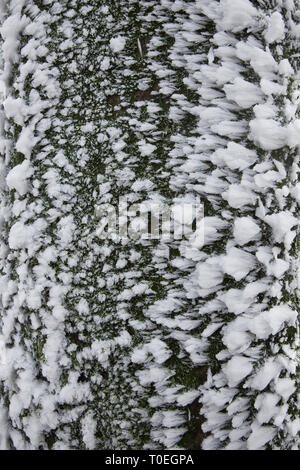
133 343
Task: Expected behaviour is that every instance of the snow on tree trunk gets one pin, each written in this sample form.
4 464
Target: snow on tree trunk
142 344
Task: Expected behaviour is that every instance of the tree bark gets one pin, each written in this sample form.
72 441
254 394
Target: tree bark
149 344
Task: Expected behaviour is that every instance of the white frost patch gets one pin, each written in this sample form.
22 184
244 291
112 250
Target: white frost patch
281 224
172 436
117 44
172 418
236 369
293 133
279 267
4 435
238 263
267 133
237 15
266 180
18 176
265 111
10 31
262 61
26 236
285 387
15 109
88 427
269 371
271 88
260 436
235 340
245 230
105 64
74 392
285 68
239 195
244 93
210 273
270 135
66 229
157 348
275 31
188 397
235 156
235 301
271 321
152 375
26 142
142 185
145 148
266 403
2 90
212 230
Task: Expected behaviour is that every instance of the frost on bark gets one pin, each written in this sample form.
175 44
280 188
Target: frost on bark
149 344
